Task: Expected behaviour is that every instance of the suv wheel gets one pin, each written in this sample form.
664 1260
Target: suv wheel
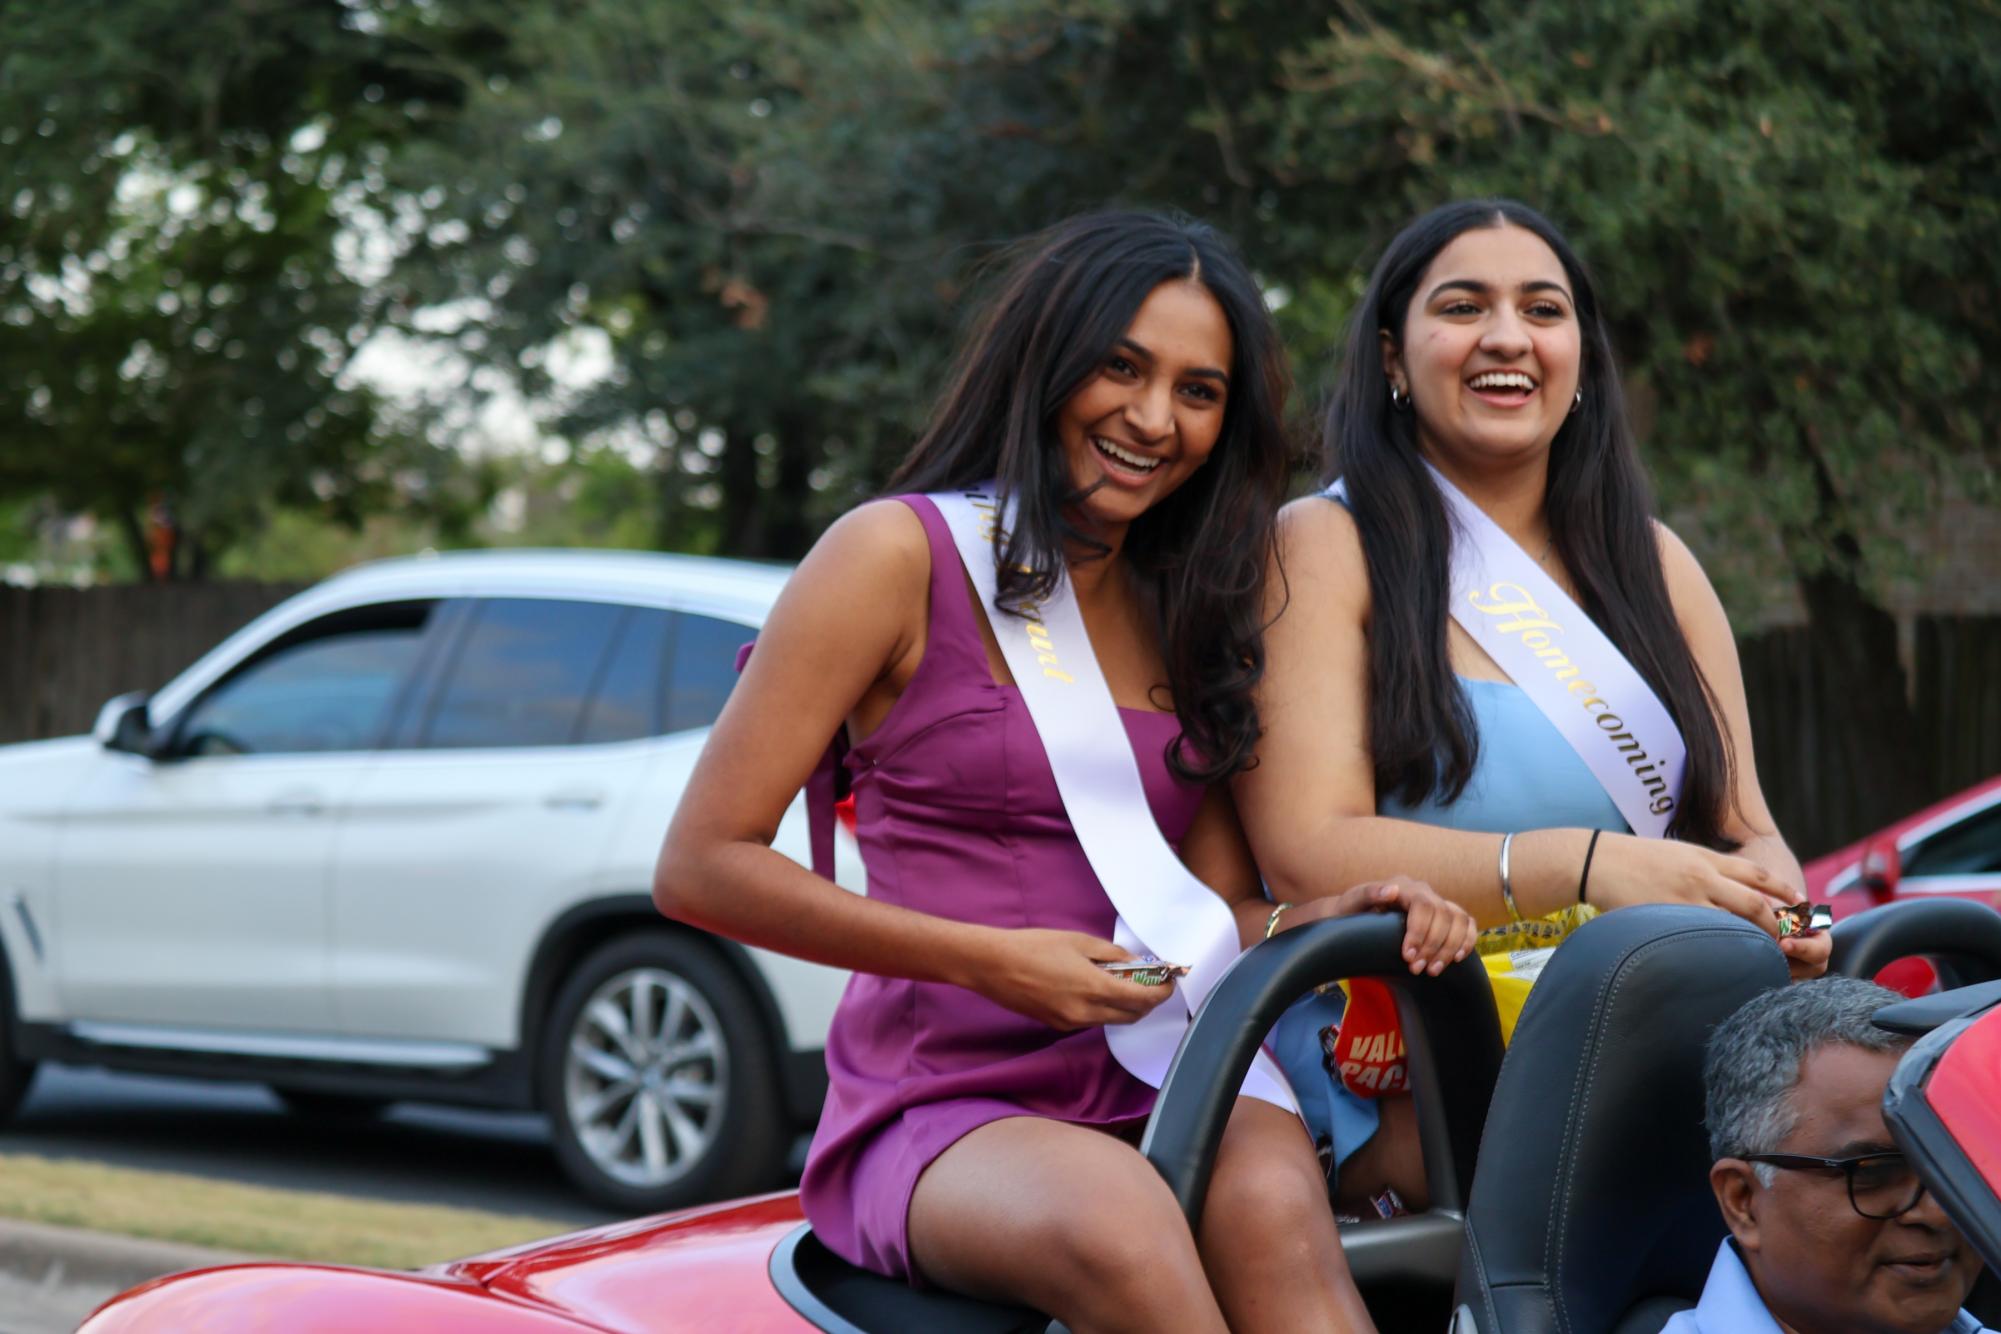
659 1079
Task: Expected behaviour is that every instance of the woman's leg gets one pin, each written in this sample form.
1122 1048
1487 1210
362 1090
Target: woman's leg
1268 1240
1066 1219
1392 1157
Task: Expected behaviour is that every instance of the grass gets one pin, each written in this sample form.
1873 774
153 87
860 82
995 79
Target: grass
260 1220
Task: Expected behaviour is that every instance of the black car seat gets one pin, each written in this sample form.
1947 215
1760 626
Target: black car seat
1454 1053
1591 1208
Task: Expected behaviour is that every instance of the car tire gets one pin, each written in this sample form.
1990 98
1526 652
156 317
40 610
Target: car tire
659 1077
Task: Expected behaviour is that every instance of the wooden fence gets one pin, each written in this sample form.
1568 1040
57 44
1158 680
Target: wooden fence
65 651
1815 771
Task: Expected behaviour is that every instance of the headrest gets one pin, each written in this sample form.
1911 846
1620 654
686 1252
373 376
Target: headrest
1592 1190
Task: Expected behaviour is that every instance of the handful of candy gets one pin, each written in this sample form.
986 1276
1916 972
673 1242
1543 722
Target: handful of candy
1148 972
1804 918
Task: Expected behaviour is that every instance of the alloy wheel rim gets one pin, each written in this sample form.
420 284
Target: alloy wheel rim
646 1077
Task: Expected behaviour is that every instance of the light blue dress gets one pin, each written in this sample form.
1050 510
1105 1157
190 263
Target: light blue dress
1527 777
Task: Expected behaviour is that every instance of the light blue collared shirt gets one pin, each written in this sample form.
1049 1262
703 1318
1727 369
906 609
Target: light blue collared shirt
1731 1305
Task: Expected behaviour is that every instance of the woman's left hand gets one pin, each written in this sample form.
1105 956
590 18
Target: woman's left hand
1437 931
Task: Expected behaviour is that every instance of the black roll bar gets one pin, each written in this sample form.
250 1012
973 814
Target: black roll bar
1963 933
1451 1028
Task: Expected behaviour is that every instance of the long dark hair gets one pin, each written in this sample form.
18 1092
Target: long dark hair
1200 556
1421 730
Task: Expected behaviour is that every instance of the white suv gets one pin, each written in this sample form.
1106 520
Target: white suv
394 840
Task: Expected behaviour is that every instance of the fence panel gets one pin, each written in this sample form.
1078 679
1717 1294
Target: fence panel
64 651
1802 728
1958 696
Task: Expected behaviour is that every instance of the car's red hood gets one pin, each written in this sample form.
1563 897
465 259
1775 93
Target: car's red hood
701 1269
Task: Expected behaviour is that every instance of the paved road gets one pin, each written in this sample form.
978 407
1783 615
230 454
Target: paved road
47 1303
480 1160
52 1277
497 1161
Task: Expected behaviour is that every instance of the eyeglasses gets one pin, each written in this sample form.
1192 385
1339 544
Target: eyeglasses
1880 1185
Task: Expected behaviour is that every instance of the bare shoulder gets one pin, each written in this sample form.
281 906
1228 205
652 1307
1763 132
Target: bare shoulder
1694 599
858 599
883 540
1319 532
1320 547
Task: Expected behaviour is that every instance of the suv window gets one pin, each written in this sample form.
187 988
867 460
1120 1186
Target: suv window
626 705
523 673
326 686
703 669
1971 847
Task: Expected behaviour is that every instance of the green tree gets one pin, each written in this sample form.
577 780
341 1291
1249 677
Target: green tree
626 183
1795 217
188 257
775 213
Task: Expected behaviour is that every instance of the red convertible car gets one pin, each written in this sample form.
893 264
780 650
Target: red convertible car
1599 1032
1951 848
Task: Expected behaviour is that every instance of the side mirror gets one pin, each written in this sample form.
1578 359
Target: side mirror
1882 867
123 724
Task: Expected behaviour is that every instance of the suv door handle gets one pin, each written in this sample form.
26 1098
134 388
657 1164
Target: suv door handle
575 799
296 803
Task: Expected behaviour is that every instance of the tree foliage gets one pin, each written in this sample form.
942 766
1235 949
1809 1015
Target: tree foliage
186 266
776 213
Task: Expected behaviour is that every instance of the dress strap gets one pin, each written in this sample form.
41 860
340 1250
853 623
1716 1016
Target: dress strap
951 631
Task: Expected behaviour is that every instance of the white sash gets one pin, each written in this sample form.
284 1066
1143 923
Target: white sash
1564 663
1163 909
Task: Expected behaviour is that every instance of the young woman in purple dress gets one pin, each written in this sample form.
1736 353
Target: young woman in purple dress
1123 392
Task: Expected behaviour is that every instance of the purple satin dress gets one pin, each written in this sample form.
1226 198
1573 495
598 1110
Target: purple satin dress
958 815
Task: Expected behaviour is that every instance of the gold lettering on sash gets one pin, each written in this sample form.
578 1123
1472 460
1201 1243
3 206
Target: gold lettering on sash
1538 632
1038 634
1045 653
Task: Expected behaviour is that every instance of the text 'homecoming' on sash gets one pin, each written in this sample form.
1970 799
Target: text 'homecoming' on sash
1163 909
1563 662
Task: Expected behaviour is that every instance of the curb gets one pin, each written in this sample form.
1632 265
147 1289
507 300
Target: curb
44 1252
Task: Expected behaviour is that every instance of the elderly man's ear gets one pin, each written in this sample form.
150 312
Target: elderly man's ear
1735 1185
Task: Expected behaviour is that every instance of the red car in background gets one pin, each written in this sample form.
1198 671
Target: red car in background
1952 848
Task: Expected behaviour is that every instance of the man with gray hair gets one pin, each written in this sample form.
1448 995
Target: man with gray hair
1831 1231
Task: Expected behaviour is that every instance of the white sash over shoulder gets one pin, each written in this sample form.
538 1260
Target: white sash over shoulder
1163 909
1563 662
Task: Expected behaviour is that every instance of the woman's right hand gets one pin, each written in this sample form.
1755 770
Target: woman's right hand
1053 978
1627 869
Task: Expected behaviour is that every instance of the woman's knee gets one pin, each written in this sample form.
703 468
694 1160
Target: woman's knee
1268 1182
1087 1231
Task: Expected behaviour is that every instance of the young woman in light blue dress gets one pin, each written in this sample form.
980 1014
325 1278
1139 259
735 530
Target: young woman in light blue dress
1392 741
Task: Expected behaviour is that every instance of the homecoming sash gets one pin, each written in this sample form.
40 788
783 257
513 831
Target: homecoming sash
1163 909
1563 662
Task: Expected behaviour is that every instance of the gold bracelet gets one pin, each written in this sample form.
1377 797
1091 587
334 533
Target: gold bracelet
1271 922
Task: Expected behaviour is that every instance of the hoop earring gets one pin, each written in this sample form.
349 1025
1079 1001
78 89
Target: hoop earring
1399 397
1577 400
